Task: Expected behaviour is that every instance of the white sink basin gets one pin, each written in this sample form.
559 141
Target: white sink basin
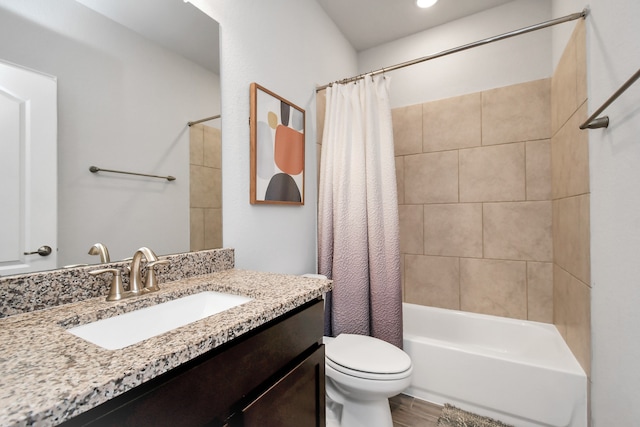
130 328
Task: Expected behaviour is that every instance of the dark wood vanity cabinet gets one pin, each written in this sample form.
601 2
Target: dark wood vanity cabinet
271 376
295 400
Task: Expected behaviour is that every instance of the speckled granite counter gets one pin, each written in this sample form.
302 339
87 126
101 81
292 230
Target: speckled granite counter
49 375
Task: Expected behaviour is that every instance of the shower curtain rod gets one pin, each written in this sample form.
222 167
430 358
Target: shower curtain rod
514 33
206 119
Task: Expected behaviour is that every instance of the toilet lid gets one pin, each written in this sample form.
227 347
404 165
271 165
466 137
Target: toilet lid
367 354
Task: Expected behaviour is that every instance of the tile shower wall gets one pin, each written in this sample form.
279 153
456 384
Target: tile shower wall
570 193
474 187
493 194
205 187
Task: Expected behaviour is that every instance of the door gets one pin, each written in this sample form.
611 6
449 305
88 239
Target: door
28 170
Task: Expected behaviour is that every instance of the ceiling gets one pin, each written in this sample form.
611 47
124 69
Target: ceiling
370 23
183 28
173 24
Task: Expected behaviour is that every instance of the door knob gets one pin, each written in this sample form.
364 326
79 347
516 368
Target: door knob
42 251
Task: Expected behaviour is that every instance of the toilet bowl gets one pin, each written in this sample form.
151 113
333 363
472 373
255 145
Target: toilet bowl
362 372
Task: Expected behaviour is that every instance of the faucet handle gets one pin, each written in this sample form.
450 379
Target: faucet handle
151 283
116 291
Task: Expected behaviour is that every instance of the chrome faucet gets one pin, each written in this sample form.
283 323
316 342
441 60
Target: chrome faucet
136 284
100 249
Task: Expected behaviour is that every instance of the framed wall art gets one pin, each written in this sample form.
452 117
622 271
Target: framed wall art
277 149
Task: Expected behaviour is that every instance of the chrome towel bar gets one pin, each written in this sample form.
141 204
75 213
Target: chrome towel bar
96 169
206 119
603 122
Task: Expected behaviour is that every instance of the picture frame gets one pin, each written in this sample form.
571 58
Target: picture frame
277 149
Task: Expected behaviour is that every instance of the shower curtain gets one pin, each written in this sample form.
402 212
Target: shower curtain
358 231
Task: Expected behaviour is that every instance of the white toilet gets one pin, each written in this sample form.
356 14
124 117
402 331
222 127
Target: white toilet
361 374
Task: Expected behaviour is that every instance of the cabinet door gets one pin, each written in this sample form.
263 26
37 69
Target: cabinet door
296 400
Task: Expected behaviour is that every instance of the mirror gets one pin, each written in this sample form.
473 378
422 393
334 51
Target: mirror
130 76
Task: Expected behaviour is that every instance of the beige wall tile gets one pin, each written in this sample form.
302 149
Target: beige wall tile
407 129
564 87
212 228
570 187
555 229
559 232
196 220
205 185
400 178
321 105
494 287
196 145
571 236
572 314
540 291
212 147
561 282
581 61
402 276
579 323
538 172
492 174
432 281
452 123
570 158
431 178
411 229
453 229
203 182
518 231
517 113
217 189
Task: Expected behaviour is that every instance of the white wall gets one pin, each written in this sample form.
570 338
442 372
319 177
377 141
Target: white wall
289 47
515 60
123 103
613 55
613 52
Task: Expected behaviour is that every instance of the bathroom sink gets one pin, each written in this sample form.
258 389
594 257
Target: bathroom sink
130 328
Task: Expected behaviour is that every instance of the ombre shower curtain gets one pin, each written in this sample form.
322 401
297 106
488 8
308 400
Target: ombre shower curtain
358 231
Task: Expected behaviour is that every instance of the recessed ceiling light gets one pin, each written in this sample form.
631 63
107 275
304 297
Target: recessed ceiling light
426 3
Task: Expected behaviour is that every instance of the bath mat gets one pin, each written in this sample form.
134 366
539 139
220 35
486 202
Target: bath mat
454 417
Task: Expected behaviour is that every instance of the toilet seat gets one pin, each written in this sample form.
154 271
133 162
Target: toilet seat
367 358
367 375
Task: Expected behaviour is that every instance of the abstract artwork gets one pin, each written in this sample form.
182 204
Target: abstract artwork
277 149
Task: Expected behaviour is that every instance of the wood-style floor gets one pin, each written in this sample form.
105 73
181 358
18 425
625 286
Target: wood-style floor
407 411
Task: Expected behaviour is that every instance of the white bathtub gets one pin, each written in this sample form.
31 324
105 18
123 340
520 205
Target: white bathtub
519 372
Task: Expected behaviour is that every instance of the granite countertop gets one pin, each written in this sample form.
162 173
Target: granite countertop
49 375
